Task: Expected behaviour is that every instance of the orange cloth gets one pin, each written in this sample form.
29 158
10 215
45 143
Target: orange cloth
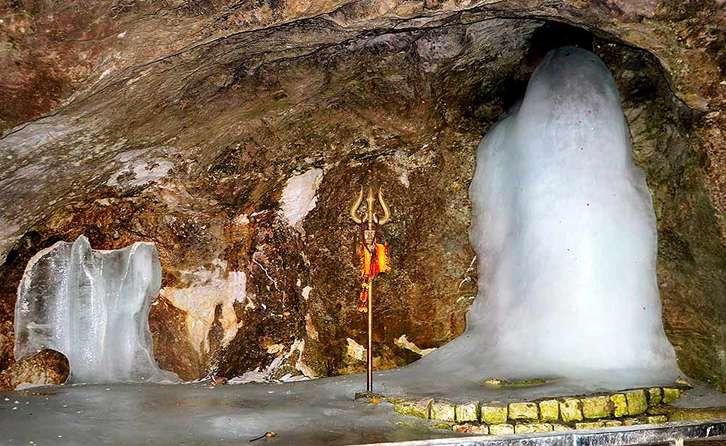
371 265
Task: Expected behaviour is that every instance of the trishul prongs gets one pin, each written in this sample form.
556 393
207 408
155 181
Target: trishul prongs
371 217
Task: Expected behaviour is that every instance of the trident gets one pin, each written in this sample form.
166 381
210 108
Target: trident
369 238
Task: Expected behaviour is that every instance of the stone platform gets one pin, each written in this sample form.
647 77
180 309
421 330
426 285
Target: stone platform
624 408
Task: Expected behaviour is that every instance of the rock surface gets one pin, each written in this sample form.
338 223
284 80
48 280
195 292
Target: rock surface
183 123
47 367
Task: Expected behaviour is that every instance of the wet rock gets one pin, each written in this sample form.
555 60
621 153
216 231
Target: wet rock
670 394
420 408
467 412
501 429
655 396
494 414
443 411
549 410
571 410
596 407
637 402
47 367
620 405
249 96
523 411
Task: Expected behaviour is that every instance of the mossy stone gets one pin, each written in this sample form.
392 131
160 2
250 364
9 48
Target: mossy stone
443 411
590 425
523 411
467 411
561 427
467 428
501 429
632 421
620 405
493 414
670 394
420 408
549 410
656 419
637 402
655 396
596 407
571 410
613 423
530 428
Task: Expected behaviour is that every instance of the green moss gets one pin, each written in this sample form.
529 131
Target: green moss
655 396
596 407
420 408
493 414
549 410
620 405
467 412
670 394
637 402
656 419
443 411
571 410
523 411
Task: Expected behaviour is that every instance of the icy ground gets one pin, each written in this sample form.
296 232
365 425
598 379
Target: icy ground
315 412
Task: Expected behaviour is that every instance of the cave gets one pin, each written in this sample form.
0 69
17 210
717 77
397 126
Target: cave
236 135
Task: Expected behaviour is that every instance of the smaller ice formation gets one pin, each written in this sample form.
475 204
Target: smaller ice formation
92 306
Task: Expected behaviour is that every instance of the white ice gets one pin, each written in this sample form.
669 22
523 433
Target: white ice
299 196
92 306
565 234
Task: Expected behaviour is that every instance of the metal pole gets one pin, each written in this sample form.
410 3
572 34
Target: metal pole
369 387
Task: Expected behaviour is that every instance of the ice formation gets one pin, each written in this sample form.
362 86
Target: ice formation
565 233
92 306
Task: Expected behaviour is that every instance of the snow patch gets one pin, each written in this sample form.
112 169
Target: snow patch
404 343
207 289
299 196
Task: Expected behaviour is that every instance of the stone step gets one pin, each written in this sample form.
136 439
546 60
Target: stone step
587 410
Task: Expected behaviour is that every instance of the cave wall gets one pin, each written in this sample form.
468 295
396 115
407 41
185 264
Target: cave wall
184 122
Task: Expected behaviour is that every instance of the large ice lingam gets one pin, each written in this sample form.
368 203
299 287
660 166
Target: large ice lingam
92 306
565 233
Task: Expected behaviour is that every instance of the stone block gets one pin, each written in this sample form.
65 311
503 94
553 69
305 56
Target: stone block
632 421
571 410
670 394
530 428
523 411
492 414
479 429
420 408
656 419
443 411
590 425
596 407
561 427
637 402
501 429
613 423
549 410
620 405
467 412
655 396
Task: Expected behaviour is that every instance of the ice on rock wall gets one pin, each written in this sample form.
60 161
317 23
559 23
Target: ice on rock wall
565 234
92 306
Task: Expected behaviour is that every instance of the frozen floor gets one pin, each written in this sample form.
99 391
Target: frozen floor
302 413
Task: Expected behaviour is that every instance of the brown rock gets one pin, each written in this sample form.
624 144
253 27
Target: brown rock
47 367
